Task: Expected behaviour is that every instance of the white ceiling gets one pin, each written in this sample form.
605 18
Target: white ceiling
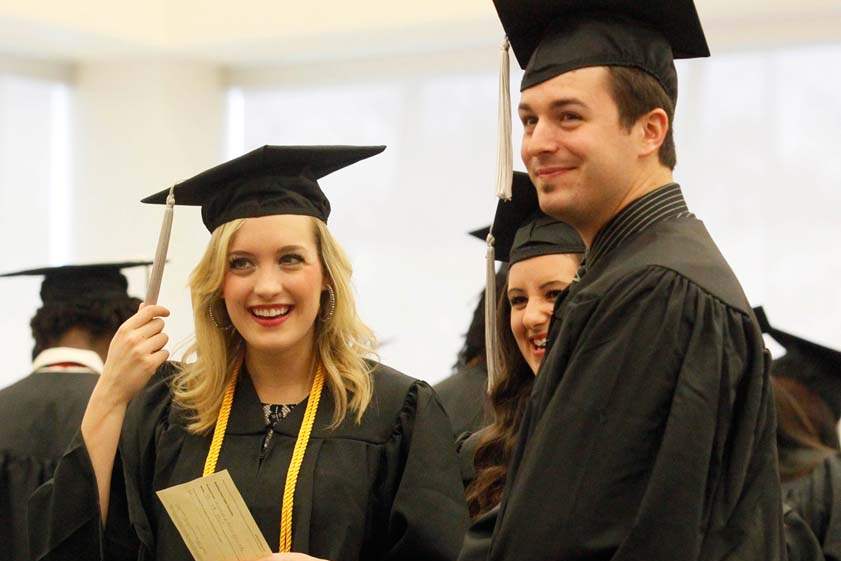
287 31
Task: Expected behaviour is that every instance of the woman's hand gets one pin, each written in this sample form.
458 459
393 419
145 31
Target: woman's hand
135 353
291 557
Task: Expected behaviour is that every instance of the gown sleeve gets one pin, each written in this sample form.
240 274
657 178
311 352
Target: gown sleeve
832 540
466 445
428 514
649 432
801 543
477 539
64 515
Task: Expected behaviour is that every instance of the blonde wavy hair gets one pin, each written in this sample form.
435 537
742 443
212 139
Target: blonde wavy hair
343 342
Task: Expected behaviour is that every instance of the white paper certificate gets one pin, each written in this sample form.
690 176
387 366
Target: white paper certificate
213 520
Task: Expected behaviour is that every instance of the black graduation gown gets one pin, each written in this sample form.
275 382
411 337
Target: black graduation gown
387 488
817 499
38 417
463 396
650 433
477 539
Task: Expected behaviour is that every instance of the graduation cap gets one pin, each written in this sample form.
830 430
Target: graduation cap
480 233
552 37
266 181
519 231
82 282
815 366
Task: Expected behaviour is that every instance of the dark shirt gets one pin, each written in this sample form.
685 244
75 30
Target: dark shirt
273 413
664 203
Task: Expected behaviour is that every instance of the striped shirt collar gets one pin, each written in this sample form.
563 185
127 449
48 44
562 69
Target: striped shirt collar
664 203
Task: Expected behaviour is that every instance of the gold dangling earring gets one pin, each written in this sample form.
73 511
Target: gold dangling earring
213 318
331 305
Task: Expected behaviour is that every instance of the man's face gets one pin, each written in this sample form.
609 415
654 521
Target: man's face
576 151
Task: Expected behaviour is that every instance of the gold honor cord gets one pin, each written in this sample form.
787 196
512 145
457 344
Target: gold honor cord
297 454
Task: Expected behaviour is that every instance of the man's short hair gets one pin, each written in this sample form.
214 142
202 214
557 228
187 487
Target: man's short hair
636 93
98 317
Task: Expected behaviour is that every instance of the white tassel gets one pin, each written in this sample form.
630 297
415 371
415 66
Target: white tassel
504 178
153 289
490 312
505 150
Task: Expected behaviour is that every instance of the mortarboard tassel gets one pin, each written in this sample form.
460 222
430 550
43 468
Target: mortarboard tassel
505 150
154 287
504 179
490 311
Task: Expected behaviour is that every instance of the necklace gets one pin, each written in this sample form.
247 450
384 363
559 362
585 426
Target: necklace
297 454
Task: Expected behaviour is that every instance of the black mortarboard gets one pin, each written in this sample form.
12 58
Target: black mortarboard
481 233
551 37
816 366
82 282
521 231
266 181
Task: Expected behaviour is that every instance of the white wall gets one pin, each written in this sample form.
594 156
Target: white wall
33 175
757 147
755 137
136 128
402 216
140 127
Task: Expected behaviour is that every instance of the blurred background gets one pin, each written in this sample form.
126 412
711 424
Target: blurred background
104 102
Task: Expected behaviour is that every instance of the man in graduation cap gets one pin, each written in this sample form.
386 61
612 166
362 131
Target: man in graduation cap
650 434
83 305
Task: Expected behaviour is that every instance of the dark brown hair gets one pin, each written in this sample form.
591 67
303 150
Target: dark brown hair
636 93
99 317
508 399
799 442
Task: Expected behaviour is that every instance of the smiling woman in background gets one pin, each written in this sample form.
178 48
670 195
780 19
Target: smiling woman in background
543 256
280 352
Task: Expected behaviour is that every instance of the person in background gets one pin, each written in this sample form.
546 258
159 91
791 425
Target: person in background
807 396
82 308
542 256
283 392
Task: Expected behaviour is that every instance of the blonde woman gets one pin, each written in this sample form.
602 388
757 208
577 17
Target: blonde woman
282 364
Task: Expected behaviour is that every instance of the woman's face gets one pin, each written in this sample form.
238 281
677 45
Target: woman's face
533 285
273 282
